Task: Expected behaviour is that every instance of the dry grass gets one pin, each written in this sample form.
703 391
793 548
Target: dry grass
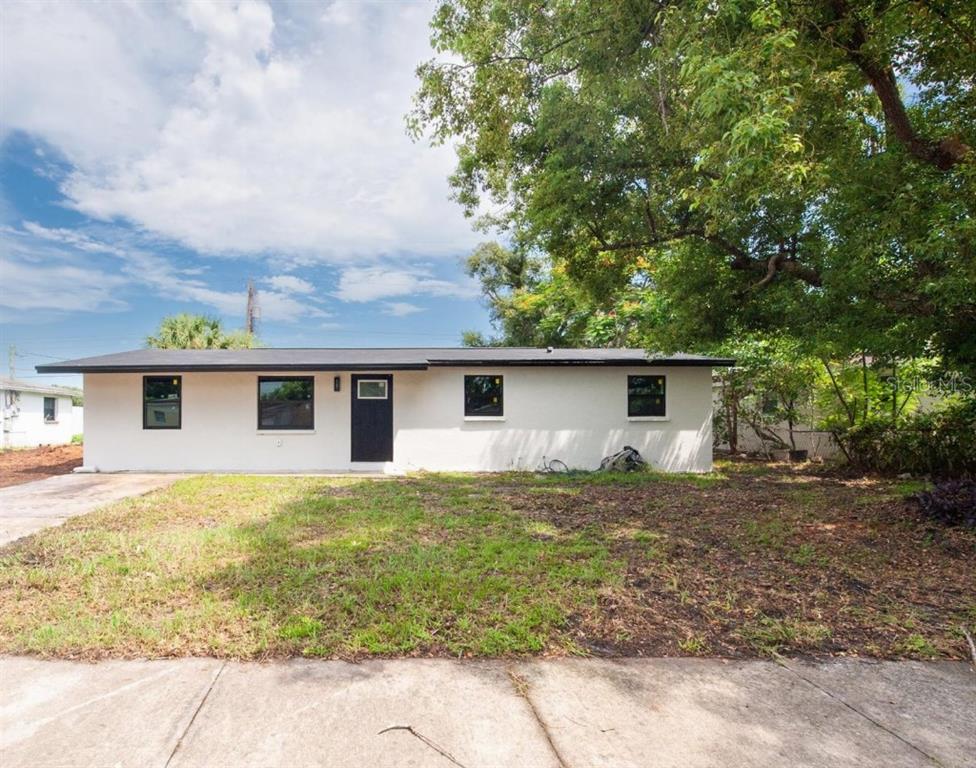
746 561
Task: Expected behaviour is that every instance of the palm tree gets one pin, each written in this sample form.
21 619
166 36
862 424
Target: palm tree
186 331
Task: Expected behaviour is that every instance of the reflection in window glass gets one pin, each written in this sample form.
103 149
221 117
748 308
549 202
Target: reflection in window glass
371 389
645 396
50 409
483 396
161 402
286 403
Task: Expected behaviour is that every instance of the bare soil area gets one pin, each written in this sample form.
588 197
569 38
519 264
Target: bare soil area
24 465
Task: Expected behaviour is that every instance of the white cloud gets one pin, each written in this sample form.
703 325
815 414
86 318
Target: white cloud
290 284
95 80
401 309
372 283
45 286
60 287
221 126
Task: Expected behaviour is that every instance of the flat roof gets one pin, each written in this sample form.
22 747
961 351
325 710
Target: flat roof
365 358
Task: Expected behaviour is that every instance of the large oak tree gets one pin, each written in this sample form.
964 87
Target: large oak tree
742 165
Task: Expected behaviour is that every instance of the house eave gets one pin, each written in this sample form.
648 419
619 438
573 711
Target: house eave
243 368
298 367
366 359
635 363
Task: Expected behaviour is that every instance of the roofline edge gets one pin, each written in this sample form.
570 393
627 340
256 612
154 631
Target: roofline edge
244 368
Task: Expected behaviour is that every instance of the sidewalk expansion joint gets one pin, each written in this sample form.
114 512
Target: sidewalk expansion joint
783 663
193 718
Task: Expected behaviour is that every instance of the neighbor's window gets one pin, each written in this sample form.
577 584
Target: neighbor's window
645 396
483 396
50 408
161 402
286 403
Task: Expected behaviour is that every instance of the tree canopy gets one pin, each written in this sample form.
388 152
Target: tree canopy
715 169
185 331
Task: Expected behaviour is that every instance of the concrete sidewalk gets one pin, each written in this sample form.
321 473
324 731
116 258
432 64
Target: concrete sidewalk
29 507
571 713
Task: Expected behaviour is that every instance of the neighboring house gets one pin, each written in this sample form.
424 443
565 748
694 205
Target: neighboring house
469 409
35 414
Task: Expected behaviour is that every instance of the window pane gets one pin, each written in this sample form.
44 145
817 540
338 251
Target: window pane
162 388
285 403
161 402
371 389
162 415
483 396
645 396
49 409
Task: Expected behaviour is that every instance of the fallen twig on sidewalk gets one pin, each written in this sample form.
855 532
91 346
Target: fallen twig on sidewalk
425 740
972 645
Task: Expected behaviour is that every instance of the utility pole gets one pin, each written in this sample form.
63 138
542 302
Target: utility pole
11 360
253 311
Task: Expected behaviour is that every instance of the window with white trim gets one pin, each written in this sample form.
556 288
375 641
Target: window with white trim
371 389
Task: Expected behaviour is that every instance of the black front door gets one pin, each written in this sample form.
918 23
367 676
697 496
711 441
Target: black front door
372 417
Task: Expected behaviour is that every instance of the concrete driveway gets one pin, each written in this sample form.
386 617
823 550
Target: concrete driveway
30 507
432 712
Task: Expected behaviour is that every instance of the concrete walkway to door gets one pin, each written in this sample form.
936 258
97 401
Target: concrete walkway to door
570 713
30 507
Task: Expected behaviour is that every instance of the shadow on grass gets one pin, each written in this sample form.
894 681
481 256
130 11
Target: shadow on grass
492 565
426 565
737 564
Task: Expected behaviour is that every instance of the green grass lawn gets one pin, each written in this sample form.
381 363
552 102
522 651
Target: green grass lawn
741 562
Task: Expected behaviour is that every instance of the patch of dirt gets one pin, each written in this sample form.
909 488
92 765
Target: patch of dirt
24 465
789 560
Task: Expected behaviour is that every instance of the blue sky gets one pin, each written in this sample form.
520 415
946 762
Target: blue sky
154 157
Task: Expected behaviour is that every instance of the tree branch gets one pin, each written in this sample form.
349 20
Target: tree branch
944 154
741 260
772 267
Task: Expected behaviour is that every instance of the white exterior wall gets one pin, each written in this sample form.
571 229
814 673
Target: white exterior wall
24 425
77 420
575 414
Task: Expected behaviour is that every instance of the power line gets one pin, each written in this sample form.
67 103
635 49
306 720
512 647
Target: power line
43 375
28 353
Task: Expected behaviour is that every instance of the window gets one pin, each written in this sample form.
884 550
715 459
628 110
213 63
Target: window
483 396
161 402
646 396
50 408
371 389
286 403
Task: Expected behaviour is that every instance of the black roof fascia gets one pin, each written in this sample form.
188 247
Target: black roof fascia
709 363
243 367
238 367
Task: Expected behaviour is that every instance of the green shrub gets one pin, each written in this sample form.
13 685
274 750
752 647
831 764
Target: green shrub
77 439
941 443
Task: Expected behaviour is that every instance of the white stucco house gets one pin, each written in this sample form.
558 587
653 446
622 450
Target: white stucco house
393 410
34 414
